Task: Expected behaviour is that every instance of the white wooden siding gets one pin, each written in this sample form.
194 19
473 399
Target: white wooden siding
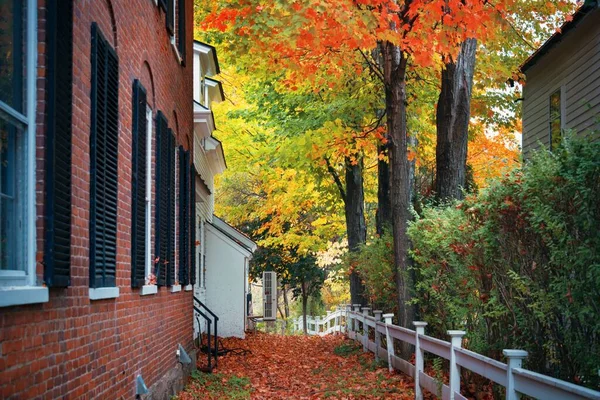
204 208
575 64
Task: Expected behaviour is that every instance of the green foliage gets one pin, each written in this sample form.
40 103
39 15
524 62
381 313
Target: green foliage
447 270
374 263
347 349
218 386
518 265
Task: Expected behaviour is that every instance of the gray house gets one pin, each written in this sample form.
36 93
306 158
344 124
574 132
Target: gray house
562 89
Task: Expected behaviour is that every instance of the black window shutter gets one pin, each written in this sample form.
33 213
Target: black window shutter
138 186
162 197
59 99
163 4
192 222
184 209
171 210
181 14
170 20
104 150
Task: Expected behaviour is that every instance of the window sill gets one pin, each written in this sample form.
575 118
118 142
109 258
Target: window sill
104 293
17 295
148 289
188 288
175 288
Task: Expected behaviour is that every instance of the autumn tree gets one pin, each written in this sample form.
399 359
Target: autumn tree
328 135
452 120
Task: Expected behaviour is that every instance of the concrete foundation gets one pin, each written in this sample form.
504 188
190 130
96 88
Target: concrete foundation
172 382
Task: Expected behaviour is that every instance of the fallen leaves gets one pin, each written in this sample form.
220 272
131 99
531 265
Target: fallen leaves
301 367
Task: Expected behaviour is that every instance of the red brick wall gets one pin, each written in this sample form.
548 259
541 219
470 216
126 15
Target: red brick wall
72 347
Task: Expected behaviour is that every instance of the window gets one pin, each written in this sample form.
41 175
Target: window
18 49
165 203
177 228
181 29
175 24
148 269
104 150
556 119
140 198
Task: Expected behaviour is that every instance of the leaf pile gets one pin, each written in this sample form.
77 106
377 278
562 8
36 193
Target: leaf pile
298 367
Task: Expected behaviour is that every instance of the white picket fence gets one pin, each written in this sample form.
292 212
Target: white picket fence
359 325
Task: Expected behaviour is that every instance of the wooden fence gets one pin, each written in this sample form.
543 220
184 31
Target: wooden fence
359 325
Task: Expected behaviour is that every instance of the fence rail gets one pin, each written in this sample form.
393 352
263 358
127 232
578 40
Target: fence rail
358 324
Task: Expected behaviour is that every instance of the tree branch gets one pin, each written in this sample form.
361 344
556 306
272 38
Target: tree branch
336 178
374 68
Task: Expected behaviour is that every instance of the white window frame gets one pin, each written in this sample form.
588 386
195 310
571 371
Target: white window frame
148 289
20 286
174 35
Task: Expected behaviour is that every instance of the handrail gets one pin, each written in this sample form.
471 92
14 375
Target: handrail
208 322
216 321
197 300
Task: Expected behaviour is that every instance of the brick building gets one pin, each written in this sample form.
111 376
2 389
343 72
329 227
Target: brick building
96 193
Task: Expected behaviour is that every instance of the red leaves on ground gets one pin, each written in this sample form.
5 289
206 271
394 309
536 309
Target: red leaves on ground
306 367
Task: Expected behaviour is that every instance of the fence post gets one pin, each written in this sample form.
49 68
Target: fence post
456 341
419 330
514 360
318 324
365 312
389 340
349 323
355 320
348 319
377 314
328 323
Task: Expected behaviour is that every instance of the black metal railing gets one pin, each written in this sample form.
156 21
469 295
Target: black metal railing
212 348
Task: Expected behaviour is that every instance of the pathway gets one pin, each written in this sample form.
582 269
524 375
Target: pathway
265 366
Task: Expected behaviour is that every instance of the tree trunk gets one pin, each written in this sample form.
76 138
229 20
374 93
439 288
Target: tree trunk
355 223
452 121
394 68
286 303
304 307
383 216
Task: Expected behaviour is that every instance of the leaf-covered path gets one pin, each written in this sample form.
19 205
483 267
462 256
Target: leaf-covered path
297 367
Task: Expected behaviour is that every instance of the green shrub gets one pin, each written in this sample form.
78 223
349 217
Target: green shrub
374 264
518 265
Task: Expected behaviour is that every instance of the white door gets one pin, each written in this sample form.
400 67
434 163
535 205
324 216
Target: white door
200 285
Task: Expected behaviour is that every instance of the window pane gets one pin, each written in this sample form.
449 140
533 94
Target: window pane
555 133
555 102
12 179
13 27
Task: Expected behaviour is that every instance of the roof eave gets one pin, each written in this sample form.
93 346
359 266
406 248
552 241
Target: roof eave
557 37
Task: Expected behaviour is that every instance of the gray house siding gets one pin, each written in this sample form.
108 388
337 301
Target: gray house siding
572 65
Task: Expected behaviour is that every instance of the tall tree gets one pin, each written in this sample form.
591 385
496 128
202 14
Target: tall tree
452 122
353 196
394 74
